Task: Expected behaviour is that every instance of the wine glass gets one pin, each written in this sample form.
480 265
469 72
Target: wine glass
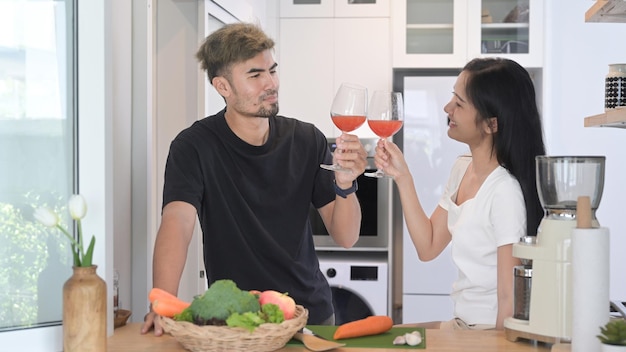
348 112
385 117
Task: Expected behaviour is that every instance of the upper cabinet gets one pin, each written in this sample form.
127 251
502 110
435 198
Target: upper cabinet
448 33
607 11
319 52
333 8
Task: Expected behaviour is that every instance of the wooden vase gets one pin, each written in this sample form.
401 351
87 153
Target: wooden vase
84 311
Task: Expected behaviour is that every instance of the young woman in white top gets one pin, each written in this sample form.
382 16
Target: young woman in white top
491 198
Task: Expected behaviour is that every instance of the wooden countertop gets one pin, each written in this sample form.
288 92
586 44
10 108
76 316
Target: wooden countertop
128 339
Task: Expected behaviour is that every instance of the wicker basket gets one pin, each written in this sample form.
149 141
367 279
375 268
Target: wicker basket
209 338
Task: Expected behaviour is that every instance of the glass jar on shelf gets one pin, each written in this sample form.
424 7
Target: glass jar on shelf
615 87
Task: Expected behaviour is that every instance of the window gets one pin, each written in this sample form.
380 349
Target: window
37 157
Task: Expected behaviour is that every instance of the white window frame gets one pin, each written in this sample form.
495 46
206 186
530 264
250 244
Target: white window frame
95 161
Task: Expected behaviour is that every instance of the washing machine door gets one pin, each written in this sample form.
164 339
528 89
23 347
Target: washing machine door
348 306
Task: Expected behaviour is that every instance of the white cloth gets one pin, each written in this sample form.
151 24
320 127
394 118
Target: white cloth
496 216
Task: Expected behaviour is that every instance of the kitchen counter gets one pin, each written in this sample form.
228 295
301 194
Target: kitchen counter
128 339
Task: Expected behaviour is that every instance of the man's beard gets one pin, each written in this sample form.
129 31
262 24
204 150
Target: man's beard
272 110
268 112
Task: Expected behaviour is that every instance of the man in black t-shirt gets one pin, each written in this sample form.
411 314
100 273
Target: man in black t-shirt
250 176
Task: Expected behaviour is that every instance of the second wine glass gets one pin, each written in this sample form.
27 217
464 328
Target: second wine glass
385 117
348 112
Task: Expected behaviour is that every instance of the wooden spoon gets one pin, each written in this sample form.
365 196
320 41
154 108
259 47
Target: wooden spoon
315 343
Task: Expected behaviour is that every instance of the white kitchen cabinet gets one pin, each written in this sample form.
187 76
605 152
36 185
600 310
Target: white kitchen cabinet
333 8
448 33
363 8
317 54
305 68
306 8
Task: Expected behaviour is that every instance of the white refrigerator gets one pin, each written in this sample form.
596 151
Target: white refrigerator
430 154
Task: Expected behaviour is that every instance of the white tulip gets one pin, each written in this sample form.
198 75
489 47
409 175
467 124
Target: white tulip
78 206
46 216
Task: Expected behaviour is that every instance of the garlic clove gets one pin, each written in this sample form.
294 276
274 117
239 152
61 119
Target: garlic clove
399 340
413 339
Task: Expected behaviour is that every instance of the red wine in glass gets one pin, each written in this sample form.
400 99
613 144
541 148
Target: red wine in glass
348 123
385 128
385 117
348 112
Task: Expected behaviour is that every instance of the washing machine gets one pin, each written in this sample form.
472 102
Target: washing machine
359 285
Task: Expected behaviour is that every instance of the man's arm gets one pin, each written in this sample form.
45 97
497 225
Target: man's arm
170 252
342 219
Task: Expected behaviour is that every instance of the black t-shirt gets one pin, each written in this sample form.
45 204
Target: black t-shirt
253 204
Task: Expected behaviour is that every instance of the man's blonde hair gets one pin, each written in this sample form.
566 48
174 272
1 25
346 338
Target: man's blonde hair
231 44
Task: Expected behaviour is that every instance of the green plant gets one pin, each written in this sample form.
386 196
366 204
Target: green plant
613 333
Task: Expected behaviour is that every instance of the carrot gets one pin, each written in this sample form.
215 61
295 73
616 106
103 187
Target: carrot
165 303
158 293
372 325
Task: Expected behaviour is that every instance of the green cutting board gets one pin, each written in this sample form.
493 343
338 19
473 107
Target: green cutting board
384 340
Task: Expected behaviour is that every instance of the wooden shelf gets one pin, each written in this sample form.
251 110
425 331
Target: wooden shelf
611 118
613 11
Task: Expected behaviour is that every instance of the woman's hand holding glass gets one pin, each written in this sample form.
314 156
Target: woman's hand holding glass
389 157
385 117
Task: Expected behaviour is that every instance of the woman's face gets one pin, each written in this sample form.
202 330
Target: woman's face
462 115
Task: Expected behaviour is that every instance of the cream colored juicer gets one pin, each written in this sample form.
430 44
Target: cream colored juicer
560 181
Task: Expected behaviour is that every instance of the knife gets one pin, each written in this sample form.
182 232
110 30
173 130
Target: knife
315 342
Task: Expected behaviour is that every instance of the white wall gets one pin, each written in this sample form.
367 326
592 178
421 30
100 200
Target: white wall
577 58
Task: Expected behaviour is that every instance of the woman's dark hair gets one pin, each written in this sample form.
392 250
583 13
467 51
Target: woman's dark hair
503 89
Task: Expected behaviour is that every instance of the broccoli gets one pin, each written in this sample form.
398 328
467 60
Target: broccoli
222 299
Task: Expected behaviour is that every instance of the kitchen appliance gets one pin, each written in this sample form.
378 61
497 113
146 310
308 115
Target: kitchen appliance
430 154
522 282
359 283
375 198
560 181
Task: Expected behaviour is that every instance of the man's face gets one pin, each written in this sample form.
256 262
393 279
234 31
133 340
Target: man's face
254 86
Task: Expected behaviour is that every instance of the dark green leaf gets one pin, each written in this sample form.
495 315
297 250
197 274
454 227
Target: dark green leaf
89 254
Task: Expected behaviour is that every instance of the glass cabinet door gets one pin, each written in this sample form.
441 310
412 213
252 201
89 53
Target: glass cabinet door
507 28
449 33
430 27
504 27
429 33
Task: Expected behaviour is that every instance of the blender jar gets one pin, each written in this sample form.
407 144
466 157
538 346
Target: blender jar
562 179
